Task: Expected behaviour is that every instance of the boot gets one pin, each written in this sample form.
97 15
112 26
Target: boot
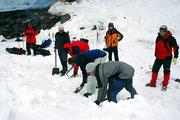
166 79
153 80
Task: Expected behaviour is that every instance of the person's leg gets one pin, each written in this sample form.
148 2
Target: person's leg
84 73
115 87
28 45
75 70
64 63
110 54
167 66
115 50
129 87
155 70
34 48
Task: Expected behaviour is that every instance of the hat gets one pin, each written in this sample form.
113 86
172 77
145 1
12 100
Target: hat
164 28
90 67
110 24
60 27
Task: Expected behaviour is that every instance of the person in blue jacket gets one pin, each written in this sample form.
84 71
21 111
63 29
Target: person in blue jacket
84 58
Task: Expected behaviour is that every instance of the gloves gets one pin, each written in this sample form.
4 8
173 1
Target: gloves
97 102
174 61
87 94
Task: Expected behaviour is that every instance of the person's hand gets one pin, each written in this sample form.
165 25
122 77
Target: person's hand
97 102
174 61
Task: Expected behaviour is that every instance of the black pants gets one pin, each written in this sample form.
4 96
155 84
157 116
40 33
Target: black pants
166 65
31 45
63 59
115 51
84 73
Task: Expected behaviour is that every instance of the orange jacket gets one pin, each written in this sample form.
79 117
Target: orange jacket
112 38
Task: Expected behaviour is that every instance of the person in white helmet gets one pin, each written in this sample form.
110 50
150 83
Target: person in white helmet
61 38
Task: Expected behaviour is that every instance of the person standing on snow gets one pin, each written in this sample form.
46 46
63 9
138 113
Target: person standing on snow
61 38
74 48
112 38
165 44
30 34
84 58
117 75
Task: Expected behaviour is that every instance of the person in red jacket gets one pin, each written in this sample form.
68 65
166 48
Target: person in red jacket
30 34
165 45
74 48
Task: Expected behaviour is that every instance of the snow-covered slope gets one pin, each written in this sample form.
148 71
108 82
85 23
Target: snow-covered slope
28 91
8 5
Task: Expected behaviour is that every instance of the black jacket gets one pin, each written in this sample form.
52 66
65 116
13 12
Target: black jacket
61 39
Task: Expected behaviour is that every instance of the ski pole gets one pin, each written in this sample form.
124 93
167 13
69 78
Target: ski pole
69 71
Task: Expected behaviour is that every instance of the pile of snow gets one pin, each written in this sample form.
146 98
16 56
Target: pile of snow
28 91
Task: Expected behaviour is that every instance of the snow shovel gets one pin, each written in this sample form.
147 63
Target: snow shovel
55 70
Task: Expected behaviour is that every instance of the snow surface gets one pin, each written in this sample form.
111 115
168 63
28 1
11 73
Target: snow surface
28 91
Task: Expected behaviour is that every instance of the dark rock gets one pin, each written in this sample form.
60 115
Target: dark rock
82 28
13 23
3 41
94 27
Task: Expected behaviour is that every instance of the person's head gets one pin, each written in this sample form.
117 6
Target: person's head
90 69
29 25
71 61
110 26
61 28
163 30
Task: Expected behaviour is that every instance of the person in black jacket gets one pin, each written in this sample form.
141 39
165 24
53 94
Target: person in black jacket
62 38
165 45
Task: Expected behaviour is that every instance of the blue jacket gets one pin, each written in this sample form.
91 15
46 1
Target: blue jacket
89 56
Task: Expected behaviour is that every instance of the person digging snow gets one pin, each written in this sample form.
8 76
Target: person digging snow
117 75
74 48
165 45
83 59
61 38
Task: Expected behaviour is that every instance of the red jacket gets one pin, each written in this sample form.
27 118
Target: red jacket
30 34
83 46
165 46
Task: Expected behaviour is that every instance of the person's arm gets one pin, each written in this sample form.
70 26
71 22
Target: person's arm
119 34
102 92
175 48
68 38
56 41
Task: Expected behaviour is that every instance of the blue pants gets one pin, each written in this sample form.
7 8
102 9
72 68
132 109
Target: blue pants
116 86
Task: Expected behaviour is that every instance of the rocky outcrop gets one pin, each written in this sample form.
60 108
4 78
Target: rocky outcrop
13 23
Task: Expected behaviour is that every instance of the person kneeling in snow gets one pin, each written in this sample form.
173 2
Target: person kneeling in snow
118 75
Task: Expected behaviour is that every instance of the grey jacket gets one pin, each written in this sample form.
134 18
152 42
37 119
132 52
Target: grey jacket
108 71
